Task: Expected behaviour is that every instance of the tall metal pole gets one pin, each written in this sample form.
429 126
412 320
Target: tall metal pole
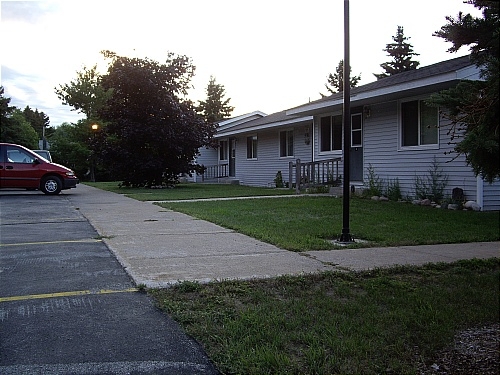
345 237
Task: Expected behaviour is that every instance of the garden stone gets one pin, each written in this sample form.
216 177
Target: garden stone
425 202
471 205
375 198
383 199
453 207
416 202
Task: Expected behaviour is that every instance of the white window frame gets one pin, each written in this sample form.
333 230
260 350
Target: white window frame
224 143
254 147
320 133
419 146
287 145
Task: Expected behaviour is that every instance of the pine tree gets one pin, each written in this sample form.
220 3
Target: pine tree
215 108
401 52
336 81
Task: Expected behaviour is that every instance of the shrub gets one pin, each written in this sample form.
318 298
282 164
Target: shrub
431 186
375 183
393 191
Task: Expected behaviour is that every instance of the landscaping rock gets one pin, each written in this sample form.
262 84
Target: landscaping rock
425 202
416 202
452 206
471 205
375 198
383 199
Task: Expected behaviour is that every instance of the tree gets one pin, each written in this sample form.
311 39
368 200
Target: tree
85 94
152 135
215 108
14 127
401 52
473 106
39 121
335 81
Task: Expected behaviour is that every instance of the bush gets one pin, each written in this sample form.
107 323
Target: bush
431 186
375 183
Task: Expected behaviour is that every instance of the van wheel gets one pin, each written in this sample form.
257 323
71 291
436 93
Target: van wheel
51 185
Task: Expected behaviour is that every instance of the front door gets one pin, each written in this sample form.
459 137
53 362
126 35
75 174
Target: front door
232 157
356 152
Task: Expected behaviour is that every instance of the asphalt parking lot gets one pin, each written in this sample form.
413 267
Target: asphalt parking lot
68 307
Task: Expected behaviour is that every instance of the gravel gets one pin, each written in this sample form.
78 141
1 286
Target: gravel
475 351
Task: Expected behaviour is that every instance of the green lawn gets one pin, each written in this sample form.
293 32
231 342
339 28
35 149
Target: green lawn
190 191
311 222
390 321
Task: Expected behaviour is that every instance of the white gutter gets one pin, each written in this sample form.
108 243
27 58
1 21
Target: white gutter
264 126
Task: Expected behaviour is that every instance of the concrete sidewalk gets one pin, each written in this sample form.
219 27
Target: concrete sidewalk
159 247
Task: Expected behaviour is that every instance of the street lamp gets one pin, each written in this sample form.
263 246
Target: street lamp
95 128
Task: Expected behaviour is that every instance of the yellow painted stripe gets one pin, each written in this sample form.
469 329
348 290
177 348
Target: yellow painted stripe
66 294
50 242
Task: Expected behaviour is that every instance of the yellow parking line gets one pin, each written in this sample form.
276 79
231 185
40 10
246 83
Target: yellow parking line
50 242
66 294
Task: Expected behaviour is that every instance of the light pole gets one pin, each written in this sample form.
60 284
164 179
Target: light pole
346 237
95 128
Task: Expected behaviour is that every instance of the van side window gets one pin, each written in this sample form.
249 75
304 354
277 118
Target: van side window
16 155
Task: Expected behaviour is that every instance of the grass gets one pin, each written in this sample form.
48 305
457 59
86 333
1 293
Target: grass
383 321
189 191
311 222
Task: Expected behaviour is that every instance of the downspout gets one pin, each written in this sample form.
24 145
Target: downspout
313 141
480 192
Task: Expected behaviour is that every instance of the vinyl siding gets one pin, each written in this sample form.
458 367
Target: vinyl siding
381 150
262 170
491 195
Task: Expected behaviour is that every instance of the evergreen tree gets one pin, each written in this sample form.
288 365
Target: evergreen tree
401 52
473 106
14 127
39 121
335 81
215 108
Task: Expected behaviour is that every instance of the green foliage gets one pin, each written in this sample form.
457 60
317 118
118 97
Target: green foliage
39 121
401 52
152 135
215 107
393 190
70 147
431 186
375 183
473 108
15 129
335 81
85 94
278 180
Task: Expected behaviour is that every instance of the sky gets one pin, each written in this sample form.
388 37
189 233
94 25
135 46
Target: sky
269 55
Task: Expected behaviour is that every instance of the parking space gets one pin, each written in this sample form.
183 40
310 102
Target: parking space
67 305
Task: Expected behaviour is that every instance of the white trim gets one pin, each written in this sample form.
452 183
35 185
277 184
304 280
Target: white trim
266 126
480 192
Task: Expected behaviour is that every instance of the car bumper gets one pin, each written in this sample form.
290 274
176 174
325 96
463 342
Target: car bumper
70 183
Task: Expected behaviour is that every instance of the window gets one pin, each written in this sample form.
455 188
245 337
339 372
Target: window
15 155
252 147
286 143
419 124
331 133
356 130
223 150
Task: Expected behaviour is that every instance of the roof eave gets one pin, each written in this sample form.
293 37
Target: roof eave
293 121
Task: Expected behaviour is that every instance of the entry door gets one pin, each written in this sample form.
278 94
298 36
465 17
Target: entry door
356 154
232 157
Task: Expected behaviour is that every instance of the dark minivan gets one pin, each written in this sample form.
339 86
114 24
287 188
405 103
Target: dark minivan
23 168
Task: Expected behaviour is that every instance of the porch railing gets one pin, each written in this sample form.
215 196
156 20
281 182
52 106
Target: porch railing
322 172
215 171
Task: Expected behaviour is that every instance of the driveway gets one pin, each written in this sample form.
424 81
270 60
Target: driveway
67 305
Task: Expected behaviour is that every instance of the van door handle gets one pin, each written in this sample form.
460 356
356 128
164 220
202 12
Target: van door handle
9 167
